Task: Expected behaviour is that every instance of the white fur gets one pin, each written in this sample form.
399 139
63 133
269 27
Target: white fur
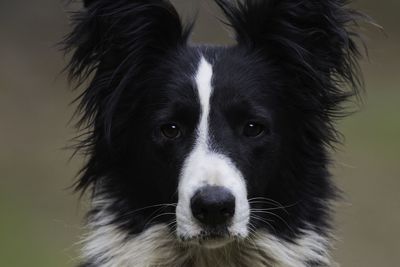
206 167
310 246
106 246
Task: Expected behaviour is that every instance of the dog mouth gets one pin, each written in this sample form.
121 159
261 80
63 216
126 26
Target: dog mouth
211 238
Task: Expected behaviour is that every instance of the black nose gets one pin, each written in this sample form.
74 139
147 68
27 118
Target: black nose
213 205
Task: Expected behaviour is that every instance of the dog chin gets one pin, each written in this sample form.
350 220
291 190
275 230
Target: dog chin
211 239
210 242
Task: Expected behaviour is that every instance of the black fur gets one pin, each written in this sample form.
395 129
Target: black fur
293 68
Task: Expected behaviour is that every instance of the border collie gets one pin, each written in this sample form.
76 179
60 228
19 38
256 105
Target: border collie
209 156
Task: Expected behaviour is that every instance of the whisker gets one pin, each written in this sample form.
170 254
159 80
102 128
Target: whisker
273 214
264 221
161 206
155 217
277 206
265 199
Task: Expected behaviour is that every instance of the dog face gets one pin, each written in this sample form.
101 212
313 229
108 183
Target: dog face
215 142
208 128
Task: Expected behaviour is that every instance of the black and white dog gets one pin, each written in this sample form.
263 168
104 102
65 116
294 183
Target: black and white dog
211 155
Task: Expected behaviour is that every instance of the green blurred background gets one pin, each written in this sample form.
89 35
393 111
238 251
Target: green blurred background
41 220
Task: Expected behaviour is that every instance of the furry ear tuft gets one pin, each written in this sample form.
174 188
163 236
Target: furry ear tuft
116 43
314 41
112 31
309 35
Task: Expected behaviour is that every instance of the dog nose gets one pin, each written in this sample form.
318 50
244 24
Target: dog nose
213 205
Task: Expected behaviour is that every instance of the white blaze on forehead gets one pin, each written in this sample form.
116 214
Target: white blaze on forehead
206 167
203 81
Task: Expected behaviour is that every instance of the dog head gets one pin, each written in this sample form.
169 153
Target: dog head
225 140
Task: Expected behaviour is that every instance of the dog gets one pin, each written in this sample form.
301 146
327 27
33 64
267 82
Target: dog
204 156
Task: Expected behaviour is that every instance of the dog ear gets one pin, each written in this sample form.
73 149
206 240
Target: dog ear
114 31
116 43
311 39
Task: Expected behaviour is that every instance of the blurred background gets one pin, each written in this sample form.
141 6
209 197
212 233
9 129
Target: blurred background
40 218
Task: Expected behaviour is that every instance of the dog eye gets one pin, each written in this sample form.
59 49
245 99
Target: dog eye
253 129
171 131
